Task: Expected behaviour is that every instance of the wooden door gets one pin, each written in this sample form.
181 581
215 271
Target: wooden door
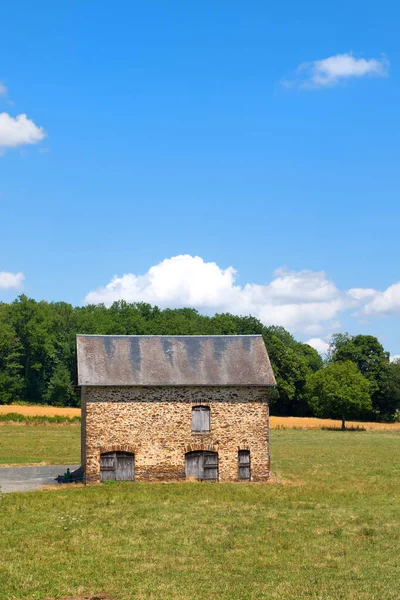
117 466
194 465
244 465
125 466
210 468
202 465
107 466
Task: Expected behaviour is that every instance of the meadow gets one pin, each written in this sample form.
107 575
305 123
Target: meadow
326 528
39 444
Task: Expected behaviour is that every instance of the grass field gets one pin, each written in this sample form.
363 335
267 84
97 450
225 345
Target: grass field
39 444
326 529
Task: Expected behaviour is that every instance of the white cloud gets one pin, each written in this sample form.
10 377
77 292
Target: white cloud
18 131
361 293
320 345
395 357
302 301
336 69
3 89
385 303
11 280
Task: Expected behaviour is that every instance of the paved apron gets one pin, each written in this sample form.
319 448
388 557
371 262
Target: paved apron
23 479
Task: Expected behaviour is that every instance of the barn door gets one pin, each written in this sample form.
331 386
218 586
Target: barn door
107 466
210 466
125 466
117 466
244 465
202 465
194 465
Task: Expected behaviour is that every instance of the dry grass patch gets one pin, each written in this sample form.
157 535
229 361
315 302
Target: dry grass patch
39 411
314 423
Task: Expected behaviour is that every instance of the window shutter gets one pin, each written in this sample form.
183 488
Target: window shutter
201 419
205 419
196 419
244 465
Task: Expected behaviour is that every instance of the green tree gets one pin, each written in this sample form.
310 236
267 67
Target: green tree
292 362
11 380
372 361
32 322
393 390
339 391
60 391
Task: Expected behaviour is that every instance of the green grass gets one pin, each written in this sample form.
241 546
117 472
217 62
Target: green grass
328 531
29 444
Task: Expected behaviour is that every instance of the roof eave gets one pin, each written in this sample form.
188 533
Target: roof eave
179 385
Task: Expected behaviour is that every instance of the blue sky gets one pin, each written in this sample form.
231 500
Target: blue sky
175 130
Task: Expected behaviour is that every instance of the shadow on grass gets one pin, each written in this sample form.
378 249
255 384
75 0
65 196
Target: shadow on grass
351 428
97 597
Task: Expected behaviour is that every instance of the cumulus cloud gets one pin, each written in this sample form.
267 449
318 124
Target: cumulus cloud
10 281
361 293
395 358
320 345
302 301
330 71
18 131
385 303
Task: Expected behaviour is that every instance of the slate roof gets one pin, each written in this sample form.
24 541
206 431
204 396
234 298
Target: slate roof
201 360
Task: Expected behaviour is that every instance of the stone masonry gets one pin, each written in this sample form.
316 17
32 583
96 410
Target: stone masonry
155 423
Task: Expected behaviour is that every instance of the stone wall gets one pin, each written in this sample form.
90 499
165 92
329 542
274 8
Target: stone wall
156 425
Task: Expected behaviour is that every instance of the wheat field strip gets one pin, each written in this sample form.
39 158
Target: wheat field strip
275 422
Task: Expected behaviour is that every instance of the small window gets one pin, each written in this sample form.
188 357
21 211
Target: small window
201 419
244 465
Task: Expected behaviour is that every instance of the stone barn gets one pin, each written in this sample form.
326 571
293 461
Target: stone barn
174 407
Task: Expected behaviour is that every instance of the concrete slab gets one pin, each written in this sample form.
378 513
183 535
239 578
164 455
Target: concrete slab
23 479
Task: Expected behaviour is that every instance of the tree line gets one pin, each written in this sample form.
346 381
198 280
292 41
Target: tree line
38 362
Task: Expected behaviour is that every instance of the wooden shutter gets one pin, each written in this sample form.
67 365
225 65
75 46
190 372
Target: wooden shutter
196 418
210 466
205 419
201 419
244 465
